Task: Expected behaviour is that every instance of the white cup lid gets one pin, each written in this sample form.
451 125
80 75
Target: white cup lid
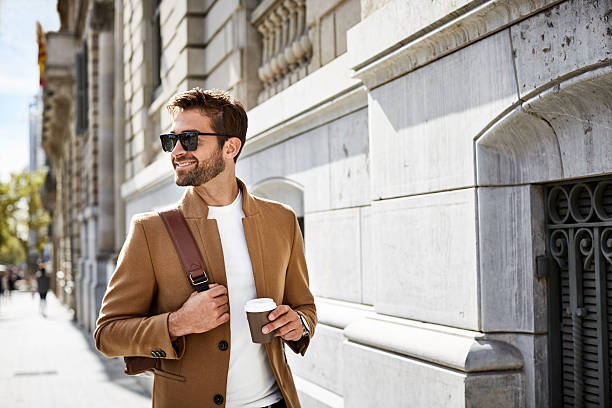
259 305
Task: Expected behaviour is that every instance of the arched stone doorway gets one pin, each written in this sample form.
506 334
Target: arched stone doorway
562 134
285 191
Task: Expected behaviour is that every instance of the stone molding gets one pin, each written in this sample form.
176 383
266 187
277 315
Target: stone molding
155 174
340 314
317 116
487 19
323 96
463 350
286 45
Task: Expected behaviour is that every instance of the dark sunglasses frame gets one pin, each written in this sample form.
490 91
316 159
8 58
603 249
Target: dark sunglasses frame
189 140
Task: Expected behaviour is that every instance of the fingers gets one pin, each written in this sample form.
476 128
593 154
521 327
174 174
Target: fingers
221 300
283 316
223 309
279 311
217 290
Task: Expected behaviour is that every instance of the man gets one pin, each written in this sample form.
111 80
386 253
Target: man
251 248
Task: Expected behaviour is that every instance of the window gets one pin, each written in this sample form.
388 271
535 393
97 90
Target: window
156 44
579 243
82 102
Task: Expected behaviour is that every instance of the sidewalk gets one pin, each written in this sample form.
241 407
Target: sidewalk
50 362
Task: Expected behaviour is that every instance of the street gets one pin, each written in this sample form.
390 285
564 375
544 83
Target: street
51 362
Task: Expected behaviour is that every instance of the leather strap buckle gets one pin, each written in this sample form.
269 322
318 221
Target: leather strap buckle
200 280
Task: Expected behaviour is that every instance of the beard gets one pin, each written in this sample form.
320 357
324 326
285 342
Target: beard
203 171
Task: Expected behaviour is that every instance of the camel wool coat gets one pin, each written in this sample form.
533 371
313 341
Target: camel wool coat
149 283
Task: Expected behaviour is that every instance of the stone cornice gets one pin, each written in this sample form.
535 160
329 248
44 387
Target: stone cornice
463 350
322 96
341 105
340 314
262 9
482 21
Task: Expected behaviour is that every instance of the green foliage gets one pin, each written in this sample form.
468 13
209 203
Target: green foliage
21 211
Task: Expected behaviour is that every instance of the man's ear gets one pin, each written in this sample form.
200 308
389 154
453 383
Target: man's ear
231 147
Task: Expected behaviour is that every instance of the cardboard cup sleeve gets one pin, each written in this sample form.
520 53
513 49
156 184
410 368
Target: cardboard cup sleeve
257 311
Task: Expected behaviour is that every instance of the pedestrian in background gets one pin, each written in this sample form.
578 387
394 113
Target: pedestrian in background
32 285
42 281
12 280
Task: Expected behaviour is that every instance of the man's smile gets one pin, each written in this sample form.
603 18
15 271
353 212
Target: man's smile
183 164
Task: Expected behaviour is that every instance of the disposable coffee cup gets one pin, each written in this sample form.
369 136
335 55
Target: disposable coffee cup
257 311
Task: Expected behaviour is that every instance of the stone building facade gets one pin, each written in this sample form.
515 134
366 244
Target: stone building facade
450 163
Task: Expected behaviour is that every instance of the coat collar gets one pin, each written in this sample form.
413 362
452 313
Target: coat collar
192 205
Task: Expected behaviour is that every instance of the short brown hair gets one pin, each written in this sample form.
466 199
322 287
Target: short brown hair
227 115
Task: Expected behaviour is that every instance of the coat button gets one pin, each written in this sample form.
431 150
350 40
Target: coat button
218 399
223 345
162 353
154 353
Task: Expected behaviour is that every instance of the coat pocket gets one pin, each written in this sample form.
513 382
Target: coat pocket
169 375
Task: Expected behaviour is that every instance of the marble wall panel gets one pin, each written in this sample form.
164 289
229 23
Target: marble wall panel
333 253
511 236
422 125
348 157
425 258
382 379
368 273
304 159
322 364
566 38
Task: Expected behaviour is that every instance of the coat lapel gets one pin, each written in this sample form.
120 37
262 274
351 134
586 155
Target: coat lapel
252 234
206 233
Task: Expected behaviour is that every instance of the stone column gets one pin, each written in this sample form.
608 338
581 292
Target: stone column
102 21
118 139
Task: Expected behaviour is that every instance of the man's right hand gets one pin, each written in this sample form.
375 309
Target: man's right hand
201 312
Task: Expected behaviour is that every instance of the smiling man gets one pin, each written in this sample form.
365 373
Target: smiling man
251 248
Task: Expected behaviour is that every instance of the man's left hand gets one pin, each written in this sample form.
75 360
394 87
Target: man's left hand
286 322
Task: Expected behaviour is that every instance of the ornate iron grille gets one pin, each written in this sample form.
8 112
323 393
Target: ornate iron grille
579 241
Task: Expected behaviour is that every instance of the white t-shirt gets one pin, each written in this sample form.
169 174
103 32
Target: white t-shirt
250 380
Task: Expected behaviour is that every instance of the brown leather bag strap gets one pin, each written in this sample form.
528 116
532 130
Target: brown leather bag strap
186 248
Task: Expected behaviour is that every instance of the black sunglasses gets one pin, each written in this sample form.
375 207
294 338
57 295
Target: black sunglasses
189 140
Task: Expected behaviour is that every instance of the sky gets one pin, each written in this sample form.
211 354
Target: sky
19 75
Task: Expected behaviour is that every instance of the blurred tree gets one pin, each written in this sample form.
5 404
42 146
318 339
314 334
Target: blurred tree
21 211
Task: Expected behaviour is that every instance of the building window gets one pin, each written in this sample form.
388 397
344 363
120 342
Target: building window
82 102
156 43
579 243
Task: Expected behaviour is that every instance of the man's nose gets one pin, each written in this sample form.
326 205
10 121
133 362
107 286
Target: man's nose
178 149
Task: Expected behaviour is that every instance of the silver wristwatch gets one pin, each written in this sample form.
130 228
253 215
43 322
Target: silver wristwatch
305 329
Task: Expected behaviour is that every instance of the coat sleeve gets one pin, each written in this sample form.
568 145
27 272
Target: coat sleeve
297 292
125 326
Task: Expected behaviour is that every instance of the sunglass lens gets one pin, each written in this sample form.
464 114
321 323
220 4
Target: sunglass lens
168 142
189 140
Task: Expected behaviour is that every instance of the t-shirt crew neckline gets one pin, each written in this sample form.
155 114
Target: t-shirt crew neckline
220 209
